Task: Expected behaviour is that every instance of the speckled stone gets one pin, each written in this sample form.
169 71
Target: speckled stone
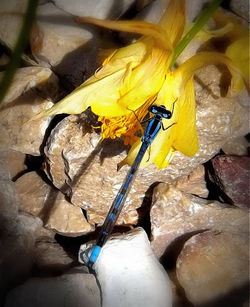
175 214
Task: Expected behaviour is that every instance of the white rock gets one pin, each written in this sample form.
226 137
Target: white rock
130 275
75 289
94 8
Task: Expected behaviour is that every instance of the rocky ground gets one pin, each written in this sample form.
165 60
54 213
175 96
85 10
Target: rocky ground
183 234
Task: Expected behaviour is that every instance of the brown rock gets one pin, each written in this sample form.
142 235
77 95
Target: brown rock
237 146
212 267
15 162
33 90
175 214
40 199
194 183
232 175
49 256
87 170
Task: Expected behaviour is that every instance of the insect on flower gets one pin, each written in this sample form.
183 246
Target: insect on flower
133 77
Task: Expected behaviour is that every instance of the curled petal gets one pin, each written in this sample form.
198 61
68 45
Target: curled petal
237 31
208 34
139 27
173 20
238 52
188 68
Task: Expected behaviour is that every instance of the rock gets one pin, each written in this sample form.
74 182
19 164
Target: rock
18 234
237 146
231 174
129 274
75 289
105 9
49 256
40 199
11 20
33 90
241 8
194 183
8 196
67 220
15 162
175 214
57 41
83 169
211 268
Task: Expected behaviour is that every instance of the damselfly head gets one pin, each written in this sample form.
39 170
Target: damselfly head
161 111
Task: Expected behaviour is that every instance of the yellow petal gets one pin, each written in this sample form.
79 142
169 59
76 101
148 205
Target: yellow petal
186 140
145 80
139 27
100 94
238 52
238 30
173 20
208 34
188 68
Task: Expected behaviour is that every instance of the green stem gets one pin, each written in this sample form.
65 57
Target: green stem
19 48
199 24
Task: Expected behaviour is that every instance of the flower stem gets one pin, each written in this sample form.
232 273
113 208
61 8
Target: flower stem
19 48
198 25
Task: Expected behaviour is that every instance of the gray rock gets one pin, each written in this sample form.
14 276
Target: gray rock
18 234
241 8
75 289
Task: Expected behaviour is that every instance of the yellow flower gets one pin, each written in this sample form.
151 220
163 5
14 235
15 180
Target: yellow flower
134 77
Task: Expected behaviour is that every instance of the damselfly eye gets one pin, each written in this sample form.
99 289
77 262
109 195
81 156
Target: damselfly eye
167 114
153 109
